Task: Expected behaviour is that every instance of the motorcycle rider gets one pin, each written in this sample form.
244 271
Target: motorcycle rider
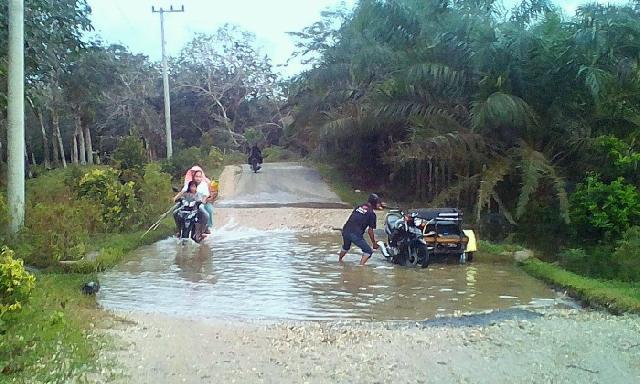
202 192
255 153
361 218
191 194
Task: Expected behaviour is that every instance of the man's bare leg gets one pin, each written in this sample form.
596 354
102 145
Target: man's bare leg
364 259
341 255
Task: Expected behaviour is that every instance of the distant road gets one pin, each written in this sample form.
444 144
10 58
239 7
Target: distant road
275 185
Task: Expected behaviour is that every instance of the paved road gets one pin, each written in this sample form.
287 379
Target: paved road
276 185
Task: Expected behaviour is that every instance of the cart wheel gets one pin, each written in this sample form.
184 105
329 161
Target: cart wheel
469 257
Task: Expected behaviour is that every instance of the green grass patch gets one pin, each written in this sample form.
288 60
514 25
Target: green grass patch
616 296
498 248
50 340
113 248
340 184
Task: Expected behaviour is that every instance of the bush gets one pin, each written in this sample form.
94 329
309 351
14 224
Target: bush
604 211
575 259
627 255
181 161
16 283
130 154
155 193
72 176
4 218
116 200
275 153
58 231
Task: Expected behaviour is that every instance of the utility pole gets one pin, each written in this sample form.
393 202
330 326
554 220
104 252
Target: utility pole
15 116
165 77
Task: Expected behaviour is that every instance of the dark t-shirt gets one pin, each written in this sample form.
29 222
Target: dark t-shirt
361 218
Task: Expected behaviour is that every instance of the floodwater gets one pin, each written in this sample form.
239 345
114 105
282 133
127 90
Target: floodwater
274 275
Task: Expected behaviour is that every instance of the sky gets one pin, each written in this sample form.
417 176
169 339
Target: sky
131 22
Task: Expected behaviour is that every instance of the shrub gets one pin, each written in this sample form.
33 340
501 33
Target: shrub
155 193
4 218
604 211
72 176
130 154
16 283
275 153
58 231
575 259
181 161
117 201
627 255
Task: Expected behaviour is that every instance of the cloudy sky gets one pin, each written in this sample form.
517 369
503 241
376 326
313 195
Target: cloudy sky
132 23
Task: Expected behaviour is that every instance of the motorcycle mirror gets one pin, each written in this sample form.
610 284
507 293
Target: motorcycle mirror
175 189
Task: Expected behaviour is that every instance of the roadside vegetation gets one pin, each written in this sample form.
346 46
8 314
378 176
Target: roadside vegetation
526 118
80 220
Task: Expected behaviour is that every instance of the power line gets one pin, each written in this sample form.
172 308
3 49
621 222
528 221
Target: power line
165 77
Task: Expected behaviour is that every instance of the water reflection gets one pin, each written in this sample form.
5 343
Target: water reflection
282 275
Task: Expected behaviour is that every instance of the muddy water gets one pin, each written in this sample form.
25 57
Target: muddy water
250 274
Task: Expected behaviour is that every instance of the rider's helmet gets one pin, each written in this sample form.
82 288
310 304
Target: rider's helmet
374 200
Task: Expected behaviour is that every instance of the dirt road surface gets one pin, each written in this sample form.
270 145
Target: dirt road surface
553 346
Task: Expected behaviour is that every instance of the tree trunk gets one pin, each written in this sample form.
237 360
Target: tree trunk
45 142
89 143
74 149
57 136
79 137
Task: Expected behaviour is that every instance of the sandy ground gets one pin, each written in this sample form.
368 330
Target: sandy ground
564 346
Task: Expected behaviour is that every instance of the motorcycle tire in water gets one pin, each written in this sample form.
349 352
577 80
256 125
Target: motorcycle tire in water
254 165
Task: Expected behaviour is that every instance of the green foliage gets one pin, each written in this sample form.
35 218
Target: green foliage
616 296
16 283
4 217
58 231
130 154
181 161
72 176
627 255
275 153
604 210
155 193
48 340
116 200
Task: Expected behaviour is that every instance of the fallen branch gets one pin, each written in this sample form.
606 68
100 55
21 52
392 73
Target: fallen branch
582 369
155 225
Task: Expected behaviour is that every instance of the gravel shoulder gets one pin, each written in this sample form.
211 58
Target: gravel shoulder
564 346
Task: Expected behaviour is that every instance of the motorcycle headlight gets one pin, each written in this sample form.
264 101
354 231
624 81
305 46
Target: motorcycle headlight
418 221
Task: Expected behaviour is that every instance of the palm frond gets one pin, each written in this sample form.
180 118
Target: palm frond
446 195
501 109
533 166
490 179
503 209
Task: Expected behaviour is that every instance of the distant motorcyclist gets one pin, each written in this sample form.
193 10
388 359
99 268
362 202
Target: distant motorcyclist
255 153
361 218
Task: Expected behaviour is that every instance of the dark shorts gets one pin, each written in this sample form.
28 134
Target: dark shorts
358 240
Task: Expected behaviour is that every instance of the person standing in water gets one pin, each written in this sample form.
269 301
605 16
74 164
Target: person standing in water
362 218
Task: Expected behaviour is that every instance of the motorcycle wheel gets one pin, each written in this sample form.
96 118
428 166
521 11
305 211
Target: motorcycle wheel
424 258
254 166
413 257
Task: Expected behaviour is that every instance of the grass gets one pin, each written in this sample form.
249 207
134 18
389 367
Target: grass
615 296
339 184
498 248
50 340
112 248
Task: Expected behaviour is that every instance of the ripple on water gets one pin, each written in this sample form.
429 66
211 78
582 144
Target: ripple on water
250 274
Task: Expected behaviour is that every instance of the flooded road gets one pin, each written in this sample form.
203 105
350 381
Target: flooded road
275 275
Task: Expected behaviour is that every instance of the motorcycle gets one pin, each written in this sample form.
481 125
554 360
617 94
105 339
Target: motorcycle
188 221
406 240
254 163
